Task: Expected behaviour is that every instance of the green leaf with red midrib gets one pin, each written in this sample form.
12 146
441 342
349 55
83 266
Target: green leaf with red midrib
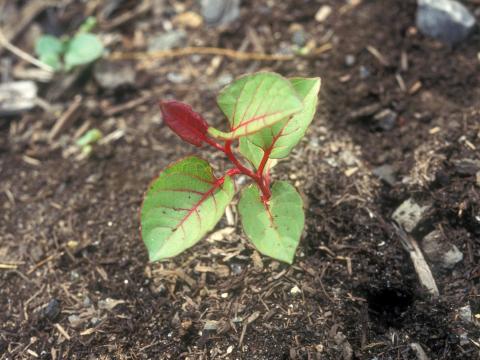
181 206
254 102
278 140
275 226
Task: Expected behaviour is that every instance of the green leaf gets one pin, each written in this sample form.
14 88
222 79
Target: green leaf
254 154
82 49
52 59
279 139
88 25
254 102
250 151
181 206
273 227
90 137
48 44
49 48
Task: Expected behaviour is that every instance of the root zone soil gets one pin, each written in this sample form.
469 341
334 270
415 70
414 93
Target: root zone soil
76 283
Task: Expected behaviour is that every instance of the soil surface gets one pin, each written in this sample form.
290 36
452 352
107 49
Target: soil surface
75 282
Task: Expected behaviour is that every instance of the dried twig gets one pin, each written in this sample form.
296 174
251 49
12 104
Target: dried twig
66 118
29 12
233 54
22 54
141 9
114 110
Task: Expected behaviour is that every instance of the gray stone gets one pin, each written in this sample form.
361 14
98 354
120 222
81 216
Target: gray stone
445 20
112 75
385 173
299 38
17 96
87 302
52 310
224 79
410 214
439 250
467 166
74 320
465 314
236 268
166 41
176 78
386 119
220 12
210 325
350 60
363 72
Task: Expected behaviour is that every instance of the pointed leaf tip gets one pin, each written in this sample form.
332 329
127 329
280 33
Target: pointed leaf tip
185 122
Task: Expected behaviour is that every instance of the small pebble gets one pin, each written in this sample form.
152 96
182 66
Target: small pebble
87 302
386 119
52 310
465 314
74 320
220 12
323 13
350 60
363 72
295 290
236 268
445 20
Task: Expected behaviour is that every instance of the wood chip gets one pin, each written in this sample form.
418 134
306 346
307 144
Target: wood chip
62 331
87 332
253 317
349 172
422 269
377 55
323 13
415 87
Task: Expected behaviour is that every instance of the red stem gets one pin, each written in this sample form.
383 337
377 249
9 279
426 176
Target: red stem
258 177
228 151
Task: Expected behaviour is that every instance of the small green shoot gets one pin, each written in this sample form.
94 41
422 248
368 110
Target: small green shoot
67 53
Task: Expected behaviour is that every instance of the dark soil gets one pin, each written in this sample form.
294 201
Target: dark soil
76 282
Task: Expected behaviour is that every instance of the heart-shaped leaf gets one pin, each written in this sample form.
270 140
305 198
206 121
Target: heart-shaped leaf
274 227
49 48
279 139
185 122
254 102
82 49
181 206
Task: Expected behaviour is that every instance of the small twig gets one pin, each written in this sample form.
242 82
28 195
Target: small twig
8 266
114 110
43 262
22 54
377 55
141 9
28 14
233 54
66 118
62 331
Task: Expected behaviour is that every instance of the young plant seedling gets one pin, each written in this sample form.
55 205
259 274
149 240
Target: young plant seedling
83 48
268 115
